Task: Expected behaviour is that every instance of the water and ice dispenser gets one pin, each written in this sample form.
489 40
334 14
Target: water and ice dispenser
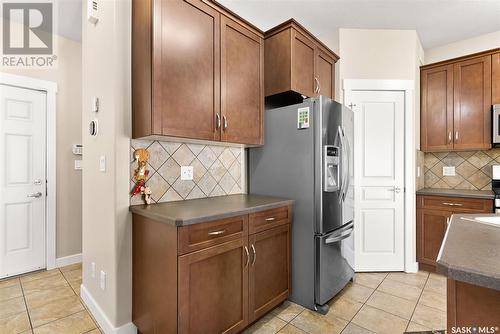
331 172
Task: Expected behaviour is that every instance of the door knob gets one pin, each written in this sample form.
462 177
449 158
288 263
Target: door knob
396 190
35 195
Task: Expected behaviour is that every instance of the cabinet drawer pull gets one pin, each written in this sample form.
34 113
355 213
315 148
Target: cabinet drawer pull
449 137
254 254
456 136
248 257
217 232
270 219
217 124
224 118
452 204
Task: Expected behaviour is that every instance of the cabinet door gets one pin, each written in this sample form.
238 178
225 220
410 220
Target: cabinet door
325 74
303 60
213 289
495 78
242 84
437 108
431 227
269 275
472 103
186 69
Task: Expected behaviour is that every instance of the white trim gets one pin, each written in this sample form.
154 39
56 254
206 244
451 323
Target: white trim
101 318
408 86
68 260
51 89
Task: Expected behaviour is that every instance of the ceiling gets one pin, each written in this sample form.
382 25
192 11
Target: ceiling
438 22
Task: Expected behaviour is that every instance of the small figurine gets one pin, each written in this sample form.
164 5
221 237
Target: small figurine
147 194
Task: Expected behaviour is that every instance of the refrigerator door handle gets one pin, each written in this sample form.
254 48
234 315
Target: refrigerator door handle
340 134
336 238
348 174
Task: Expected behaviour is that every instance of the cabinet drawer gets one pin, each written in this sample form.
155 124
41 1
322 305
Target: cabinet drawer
263 220
455 204
203 235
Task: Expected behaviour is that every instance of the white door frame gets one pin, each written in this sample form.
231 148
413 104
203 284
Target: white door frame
51 90
408 87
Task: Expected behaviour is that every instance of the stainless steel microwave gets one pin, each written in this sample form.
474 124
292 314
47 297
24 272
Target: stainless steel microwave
496 125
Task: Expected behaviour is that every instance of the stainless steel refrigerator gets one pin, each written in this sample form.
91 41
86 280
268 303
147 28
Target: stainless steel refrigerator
308 157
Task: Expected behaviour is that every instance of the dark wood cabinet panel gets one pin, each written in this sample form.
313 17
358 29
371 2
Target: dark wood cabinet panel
472 103
432 218
431 227
179 84
495 78
325 74
242 84
297 63
213 289
472 306
437 109
303 51
269 275
186 63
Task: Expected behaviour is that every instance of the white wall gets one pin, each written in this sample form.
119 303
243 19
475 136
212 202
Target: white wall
463 47
68 76
107 226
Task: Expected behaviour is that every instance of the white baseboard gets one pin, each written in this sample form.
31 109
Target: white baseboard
101 318
412 267
67 260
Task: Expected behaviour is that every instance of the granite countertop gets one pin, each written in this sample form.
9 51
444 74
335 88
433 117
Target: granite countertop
486 194
195 211
470 251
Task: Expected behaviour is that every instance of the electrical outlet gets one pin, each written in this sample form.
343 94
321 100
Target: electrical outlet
186 173
92 270
449 171
102 281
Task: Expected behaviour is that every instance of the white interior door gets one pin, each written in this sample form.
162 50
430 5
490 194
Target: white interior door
379 175
22 180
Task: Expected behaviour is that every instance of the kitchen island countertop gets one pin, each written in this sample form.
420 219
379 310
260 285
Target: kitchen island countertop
470 251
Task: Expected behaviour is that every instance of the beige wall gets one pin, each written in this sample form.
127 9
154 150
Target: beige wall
68 76
463 47
106 220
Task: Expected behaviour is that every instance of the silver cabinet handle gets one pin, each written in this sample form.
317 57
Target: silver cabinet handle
449 137
456 136
225 122
270 219
217 124
318 88
248 257
452 204
254 254
35 195
217 232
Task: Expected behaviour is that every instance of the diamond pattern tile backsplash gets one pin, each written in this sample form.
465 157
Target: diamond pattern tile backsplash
217 170
472 169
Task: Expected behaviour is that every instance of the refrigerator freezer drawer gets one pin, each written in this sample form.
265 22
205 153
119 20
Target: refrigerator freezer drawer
333 271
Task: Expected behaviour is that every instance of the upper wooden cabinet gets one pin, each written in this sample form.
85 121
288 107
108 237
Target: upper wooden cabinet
296 61
197 72
495 78
456 99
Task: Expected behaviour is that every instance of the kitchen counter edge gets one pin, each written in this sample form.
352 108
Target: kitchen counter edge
178 221
482 194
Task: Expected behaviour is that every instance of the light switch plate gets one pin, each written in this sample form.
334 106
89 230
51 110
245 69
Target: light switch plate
102 280
78 164
449 171
102 163
186 173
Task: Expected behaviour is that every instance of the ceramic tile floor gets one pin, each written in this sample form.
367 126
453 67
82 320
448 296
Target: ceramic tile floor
392 303
45 302
389 303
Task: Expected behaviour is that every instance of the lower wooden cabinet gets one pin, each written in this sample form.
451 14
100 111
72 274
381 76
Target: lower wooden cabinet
213 289
433 213
211 277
